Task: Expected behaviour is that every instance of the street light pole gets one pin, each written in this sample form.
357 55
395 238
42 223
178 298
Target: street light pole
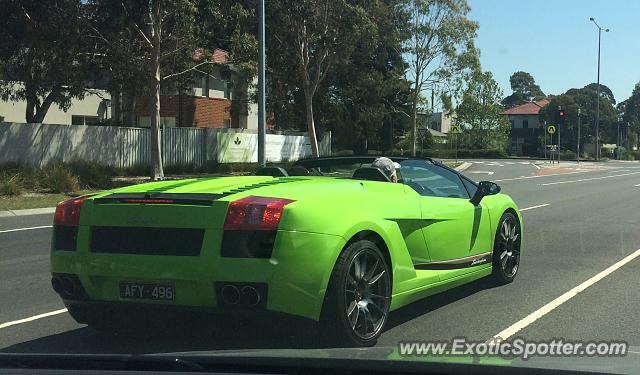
579 123
261 86
618 139
598 90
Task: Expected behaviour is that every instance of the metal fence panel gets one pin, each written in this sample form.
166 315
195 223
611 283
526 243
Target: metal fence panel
40 144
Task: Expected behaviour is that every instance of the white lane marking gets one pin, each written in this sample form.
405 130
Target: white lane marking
536 165
32 318
487 172
588 179
547 175
533 207
509 162
477 162
637 185
518 326
524 162
21 229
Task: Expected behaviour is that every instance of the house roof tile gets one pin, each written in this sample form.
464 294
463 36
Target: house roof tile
529 108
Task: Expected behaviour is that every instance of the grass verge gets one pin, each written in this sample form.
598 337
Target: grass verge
36 200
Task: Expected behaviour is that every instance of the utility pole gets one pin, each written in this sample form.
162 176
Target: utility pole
261 86
544 131
598 90
627 134
559 148
579 123
618 139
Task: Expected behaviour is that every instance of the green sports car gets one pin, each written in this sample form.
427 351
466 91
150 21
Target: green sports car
331 239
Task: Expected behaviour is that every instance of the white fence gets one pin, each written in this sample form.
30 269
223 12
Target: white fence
39 144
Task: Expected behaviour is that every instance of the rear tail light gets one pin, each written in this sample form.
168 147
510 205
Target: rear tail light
68 212
255 213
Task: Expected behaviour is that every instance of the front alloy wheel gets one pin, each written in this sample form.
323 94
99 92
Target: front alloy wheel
359 295
506 253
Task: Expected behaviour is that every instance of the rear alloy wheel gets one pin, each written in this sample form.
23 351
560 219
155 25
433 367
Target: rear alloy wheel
359 296
506 252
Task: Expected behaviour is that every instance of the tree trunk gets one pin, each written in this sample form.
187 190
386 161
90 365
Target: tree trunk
414 124
311 127
30 111
129 106
116 106
35 113
157 172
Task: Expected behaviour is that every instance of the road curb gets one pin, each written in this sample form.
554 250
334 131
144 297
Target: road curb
31 211
463 167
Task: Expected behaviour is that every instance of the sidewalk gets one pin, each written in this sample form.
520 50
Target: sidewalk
30 211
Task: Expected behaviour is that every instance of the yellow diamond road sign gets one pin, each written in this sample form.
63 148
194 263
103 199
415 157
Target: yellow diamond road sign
455 129
551 129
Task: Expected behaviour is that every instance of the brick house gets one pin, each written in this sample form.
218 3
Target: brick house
211 102
525 127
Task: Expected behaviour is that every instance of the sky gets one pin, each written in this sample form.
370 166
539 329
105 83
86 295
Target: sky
557 44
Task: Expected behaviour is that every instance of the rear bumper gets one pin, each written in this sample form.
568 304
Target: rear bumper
129 313
295 277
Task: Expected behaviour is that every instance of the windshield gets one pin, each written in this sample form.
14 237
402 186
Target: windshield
409 181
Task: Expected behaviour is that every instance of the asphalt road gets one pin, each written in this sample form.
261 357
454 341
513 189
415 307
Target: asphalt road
579 220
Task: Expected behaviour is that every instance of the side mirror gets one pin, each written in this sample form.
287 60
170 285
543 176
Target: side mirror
484 188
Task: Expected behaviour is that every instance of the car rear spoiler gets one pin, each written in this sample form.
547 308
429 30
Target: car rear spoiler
199 199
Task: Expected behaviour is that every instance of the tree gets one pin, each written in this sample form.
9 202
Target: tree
44 54
524 89
364 97
316 36
632 110
480 114
585 99
166 44
440 44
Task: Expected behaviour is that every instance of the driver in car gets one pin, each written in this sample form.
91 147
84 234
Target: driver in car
388 167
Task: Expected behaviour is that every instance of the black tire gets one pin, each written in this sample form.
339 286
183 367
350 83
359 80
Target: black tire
356 306
506 249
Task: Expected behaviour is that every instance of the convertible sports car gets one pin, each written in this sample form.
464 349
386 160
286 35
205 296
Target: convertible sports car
331 240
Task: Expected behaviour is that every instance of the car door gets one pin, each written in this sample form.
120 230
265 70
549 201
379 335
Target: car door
456 232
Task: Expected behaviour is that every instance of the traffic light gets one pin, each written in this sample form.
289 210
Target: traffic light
561 115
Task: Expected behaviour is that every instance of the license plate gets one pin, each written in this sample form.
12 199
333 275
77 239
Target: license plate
157 292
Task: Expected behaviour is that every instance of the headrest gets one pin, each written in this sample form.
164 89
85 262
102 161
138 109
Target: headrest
298 170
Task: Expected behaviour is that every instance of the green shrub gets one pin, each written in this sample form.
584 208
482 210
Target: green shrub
343 153
27 176
135 170
462 153
237 167
59 179
91 174
180 169
568 155
10 185
10 167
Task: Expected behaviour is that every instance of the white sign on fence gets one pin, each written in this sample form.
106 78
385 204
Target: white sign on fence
39 144
237 148
243 147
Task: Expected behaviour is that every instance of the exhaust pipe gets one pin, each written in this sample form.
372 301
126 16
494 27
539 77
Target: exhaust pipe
230 294
250 296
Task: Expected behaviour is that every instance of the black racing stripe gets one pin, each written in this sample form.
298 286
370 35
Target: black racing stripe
201 199
453 264
180 184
